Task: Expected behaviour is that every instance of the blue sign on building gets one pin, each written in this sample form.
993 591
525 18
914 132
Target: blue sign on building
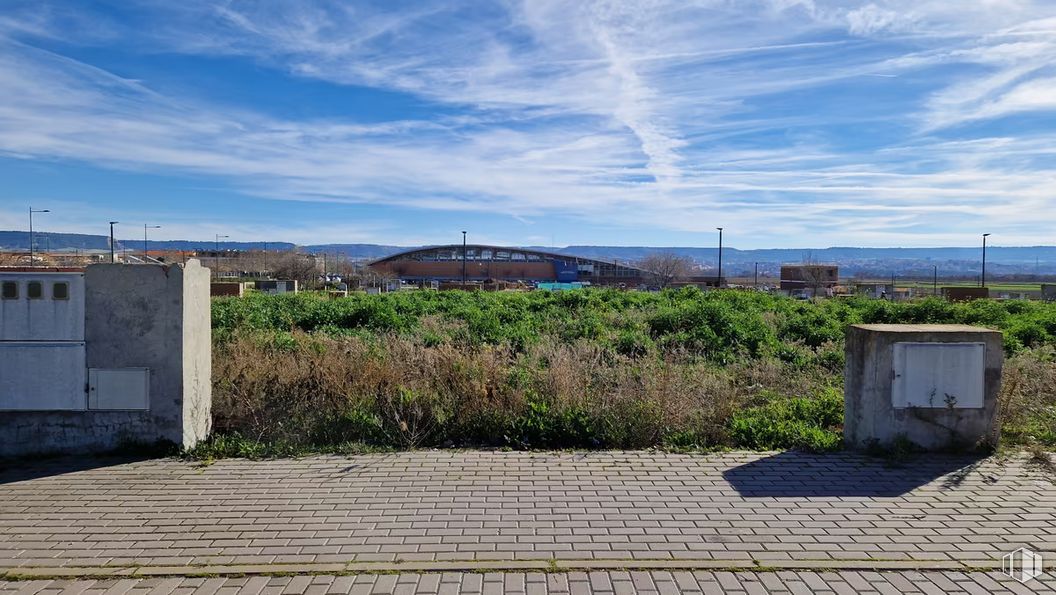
566 272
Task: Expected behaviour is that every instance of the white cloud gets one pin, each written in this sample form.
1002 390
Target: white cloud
871 19
1033 95
661 113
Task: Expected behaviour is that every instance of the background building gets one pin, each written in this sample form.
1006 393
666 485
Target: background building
813 279
484 263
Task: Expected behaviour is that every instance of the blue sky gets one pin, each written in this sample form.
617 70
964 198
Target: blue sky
791 123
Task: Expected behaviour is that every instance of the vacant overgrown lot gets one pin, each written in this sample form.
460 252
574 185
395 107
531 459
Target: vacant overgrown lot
591 368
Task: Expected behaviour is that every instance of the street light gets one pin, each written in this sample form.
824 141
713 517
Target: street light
982 278
757 275
463 260
31 211
145 228
216 254
112 224
718 282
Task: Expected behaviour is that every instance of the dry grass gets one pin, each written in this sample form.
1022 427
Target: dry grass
405 391
1028 398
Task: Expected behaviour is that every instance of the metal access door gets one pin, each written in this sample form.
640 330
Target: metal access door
41 306
938 375
42 353
42 376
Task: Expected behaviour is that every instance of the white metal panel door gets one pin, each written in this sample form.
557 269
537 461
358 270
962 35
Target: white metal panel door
44 306
42 376
938 375
119 388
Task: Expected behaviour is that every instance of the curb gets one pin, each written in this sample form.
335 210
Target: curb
467 566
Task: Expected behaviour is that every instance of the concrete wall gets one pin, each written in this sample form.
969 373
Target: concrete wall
965 294
197 356
809 274
870 415
227 289
149 316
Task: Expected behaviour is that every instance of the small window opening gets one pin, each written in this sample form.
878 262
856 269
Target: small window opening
35 290
10 290
60 291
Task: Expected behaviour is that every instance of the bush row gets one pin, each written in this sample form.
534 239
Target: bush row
721 326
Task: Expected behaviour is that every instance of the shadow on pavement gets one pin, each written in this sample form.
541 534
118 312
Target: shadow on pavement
798 474
27 468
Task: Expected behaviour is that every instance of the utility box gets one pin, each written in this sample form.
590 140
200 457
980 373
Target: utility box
42 349
111 354
934 385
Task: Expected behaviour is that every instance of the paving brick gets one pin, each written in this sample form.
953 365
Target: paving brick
523 506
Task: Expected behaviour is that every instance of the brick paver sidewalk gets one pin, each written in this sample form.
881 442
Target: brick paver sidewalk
597 510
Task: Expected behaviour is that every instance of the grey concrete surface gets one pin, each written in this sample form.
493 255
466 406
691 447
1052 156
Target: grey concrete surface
870 417
135 316
196 397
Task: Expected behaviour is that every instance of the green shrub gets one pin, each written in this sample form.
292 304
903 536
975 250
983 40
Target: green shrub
800 423
545 426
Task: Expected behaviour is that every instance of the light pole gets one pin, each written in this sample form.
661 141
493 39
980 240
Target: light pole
145 228
216 254
718 282
265 258
757 275
112 224
982 278
935 280
31 211
463 260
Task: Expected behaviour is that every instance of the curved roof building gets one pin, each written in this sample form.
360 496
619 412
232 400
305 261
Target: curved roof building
444 263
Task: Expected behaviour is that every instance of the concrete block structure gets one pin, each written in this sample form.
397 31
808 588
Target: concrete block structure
275 286
965 294
227 289
1048 292
810 279
934 385
125 356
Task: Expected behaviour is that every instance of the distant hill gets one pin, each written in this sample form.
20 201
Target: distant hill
19 240
996 254
873 262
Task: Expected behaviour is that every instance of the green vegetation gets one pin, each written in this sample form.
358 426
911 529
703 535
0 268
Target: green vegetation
594 368
791 423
